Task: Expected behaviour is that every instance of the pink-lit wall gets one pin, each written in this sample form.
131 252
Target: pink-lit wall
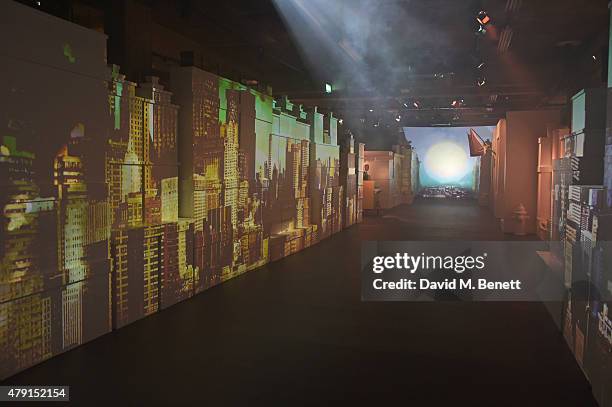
515 172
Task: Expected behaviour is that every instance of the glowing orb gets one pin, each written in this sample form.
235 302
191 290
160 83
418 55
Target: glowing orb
446 162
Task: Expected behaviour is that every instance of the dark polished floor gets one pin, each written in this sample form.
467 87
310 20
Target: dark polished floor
296 332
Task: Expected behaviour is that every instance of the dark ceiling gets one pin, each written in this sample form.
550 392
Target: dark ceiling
383 54
410 50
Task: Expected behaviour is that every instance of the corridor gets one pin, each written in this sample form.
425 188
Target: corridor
296 332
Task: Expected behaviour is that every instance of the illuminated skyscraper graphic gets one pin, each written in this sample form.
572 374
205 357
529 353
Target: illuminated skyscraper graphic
54 256
125 152
160 152
92 188
348 175
177 271
26 218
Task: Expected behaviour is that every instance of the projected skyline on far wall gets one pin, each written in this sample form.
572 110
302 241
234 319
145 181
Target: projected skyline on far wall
445 155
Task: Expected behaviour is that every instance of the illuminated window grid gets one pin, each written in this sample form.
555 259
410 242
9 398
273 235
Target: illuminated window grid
152 254
120 266
72 315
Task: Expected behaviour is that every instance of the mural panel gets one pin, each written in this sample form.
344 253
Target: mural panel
55 223
119 199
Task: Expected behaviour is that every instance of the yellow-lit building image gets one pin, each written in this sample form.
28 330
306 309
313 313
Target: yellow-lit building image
131 196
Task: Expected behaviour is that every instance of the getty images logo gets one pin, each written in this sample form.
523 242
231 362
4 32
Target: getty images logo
412 264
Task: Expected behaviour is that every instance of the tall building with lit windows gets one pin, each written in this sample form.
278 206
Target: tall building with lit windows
229 131
135 272
72 236
153 246
169 199
162 122
160 128
125 154
27 219
177 270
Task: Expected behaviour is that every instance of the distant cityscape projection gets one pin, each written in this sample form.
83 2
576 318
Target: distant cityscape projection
446 168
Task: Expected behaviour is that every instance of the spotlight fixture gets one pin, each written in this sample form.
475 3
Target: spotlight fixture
371 110
376 124
483 18
328 88
405 104
481 65
416 104
398 118
340 122
481 81
457 103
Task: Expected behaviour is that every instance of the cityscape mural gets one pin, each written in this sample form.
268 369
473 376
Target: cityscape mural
120 199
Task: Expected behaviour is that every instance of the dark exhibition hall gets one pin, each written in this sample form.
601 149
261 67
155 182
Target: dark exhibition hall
306 202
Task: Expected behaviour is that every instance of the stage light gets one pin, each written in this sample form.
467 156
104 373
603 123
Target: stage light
398 118
481 65
376 124
340 122
405 104
416 104
328 88
479 27
481 81
371 110
483 18
457 103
